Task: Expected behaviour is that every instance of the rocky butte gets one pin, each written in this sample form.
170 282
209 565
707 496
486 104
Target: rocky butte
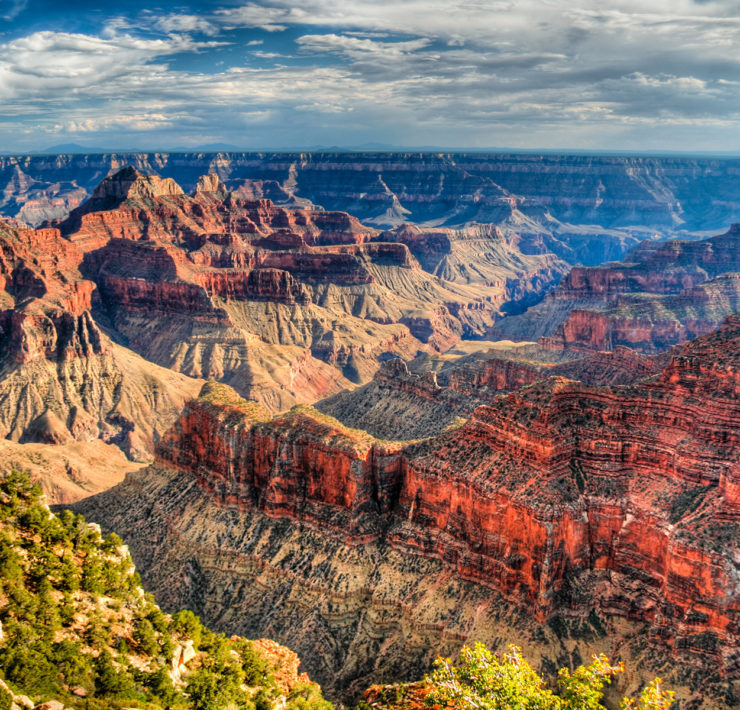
286 304
661 294
68 393
565 516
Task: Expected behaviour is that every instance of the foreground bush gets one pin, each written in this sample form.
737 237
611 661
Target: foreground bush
491 681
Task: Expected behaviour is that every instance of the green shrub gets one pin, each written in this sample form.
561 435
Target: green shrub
186 624
30 668
75 666
6 699
507 682
145 638
42 555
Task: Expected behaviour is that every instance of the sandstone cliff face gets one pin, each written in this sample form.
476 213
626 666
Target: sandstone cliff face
61 379
287 305
561 498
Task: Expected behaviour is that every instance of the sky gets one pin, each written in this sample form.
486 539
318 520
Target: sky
633 75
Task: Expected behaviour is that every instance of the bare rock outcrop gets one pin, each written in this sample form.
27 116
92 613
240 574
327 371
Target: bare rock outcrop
565 500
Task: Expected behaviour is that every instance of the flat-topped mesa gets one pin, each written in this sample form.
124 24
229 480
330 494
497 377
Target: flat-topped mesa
649 323
630 492
609 280
662 268
302 464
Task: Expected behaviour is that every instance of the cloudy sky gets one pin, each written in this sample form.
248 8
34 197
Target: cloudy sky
556 74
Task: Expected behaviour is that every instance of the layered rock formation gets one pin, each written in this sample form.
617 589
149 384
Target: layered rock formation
61 378
429 395
586 209
590 507
661 295
286 305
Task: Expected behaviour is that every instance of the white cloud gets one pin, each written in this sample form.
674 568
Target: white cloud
186 23
470 72
358 47
135 122
44 63
267 55
271 19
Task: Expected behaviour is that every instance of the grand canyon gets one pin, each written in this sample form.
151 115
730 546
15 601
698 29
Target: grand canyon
374 407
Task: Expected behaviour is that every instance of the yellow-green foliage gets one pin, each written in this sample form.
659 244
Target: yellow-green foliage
506 681
352 438
73 614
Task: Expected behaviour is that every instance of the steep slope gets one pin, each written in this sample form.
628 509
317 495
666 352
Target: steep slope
61 378
68 472
286 305
662 294
79 631
591 508
586 209
403 404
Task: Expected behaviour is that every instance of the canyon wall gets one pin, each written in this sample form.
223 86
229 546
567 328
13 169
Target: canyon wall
286 304
567 501
408 401
662 294
586 209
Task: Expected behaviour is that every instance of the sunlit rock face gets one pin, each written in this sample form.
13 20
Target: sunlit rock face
660 295
286 304
63 382
562 500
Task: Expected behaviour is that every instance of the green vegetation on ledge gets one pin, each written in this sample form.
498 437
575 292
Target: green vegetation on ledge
506 681
222 395
78 628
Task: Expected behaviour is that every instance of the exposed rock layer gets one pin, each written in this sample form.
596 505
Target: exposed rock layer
661 295
285 304
586 209
61 378
560 498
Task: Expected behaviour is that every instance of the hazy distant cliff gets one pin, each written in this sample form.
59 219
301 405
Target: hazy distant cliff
583 208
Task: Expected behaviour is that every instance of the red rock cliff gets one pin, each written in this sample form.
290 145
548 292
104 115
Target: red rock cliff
561 496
